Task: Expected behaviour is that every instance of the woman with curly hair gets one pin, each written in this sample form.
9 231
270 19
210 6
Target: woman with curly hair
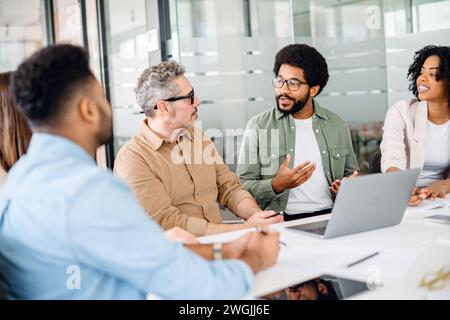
416 133
15 133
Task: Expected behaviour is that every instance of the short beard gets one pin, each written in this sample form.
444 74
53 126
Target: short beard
298 105
177 124
106 135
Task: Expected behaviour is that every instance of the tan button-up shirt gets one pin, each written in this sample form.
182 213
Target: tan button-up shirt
178 183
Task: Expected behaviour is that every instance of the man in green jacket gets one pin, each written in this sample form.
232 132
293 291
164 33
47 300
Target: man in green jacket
294 156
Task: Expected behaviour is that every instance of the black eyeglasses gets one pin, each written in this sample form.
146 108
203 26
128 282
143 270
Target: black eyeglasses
296 287
292 84
190 95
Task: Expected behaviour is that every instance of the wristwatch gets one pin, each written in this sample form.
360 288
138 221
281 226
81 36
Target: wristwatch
217 249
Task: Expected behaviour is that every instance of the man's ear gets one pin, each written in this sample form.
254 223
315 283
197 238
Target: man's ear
87 110
163 107
313 91
322 289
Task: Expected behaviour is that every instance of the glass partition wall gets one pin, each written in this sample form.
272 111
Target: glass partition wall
22 31
228 48
350 34
132 41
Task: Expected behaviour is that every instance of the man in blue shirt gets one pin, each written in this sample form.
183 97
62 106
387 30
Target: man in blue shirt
69 230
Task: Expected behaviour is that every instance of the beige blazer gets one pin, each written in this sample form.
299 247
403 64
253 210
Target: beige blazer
404 135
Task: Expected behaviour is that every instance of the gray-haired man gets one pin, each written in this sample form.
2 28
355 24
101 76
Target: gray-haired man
173 168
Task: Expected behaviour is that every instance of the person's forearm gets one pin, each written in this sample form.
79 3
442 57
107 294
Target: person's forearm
444 185
261 190
214 228
277 188
246 208
392 169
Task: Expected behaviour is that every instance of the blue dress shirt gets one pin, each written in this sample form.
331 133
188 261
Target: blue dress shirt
70 230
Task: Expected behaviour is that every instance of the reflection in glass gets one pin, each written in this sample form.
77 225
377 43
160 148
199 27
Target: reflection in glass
68 27
93 40
325 287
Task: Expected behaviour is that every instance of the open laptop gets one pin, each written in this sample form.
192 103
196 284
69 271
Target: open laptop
366 203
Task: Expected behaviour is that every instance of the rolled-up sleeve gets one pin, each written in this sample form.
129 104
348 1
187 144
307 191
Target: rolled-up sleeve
196 226
231 192
249 167
229 187
351 163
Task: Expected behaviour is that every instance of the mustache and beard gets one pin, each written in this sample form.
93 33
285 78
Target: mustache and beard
296 107
181 124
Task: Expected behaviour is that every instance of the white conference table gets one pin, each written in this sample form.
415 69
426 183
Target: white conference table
407 251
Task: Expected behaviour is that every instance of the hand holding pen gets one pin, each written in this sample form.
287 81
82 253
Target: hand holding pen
264 232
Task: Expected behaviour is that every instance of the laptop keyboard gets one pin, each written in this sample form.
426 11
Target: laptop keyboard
320 231
315 227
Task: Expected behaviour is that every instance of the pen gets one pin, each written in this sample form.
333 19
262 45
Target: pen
258 229
363 259
277 214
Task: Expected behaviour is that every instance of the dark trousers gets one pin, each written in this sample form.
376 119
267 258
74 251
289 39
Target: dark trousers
290 217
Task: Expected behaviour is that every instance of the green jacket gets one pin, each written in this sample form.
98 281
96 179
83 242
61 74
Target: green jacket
270 135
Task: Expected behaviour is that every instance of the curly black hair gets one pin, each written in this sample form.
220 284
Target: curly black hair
443 72
47 79
302 56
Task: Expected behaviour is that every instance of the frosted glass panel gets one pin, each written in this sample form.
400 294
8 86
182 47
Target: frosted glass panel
22 31
132 47
228 49
350 35
399 55
68 26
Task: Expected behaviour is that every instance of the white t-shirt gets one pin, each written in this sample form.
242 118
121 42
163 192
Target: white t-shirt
312 195
437 154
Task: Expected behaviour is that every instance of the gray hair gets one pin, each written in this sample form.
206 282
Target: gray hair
156 83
